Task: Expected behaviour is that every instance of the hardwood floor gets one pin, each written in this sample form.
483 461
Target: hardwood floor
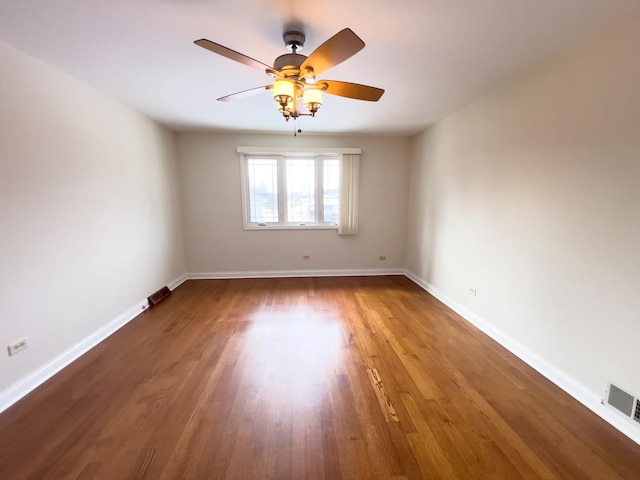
352 377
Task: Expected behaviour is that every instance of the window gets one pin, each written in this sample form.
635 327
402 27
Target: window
291 191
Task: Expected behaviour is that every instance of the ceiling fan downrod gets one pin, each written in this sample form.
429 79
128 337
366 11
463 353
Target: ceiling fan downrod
293 40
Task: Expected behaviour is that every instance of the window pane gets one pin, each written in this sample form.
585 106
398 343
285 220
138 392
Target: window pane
331 196
263 189
301 196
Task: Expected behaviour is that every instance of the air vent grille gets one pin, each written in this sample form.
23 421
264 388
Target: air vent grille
621 400
636 413
158 296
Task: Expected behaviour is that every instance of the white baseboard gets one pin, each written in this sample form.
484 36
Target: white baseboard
571 386
178 281
296 273
36 378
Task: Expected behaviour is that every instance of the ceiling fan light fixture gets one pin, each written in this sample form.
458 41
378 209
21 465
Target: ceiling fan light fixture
295 75
283 92
308 76
312 99
286 110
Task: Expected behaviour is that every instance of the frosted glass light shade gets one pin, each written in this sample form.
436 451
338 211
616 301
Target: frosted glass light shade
312 99
283 91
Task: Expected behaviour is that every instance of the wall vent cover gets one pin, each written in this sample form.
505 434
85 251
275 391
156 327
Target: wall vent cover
158 296
636 414
621 400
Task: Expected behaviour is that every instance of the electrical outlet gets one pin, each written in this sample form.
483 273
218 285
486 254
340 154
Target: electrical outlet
472 291
17 346
306 257
382 258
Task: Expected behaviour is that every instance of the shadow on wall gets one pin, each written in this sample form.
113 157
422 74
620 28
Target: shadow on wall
425 195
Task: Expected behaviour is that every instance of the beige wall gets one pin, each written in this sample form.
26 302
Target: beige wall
211 197
531 195
89 212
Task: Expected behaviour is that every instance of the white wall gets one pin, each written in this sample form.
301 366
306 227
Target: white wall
89 212
211 197
532 196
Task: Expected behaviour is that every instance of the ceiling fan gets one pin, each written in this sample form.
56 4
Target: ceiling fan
295 74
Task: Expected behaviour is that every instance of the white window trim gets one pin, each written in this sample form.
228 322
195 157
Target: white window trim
298 150
280 153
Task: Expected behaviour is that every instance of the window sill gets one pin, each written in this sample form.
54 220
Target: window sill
291 227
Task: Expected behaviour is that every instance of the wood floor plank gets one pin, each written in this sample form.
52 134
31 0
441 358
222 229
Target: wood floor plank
319 378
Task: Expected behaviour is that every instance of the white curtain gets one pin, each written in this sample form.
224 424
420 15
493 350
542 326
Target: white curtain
349 191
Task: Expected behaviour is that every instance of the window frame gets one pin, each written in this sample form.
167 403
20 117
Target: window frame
281 157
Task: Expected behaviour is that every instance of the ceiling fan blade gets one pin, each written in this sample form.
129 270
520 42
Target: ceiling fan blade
231 54
352 90
336 50
245 93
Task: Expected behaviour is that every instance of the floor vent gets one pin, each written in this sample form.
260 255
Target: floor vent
636 414
158 296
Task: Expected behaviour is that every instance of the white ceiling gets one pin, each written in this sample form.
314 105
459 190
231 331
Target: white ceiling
431 56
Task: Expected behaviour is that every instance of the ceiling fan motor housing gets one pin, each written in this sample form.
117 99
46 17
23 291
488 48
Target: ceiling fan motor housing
294 40
289 61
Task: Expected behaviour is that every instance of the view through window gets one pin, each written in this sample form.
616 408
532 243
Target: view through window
294 191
